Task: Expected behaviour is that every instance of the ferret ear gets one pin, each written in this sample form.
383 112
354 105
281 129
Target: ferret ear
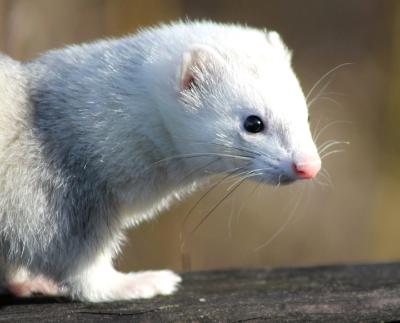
275 40
195 62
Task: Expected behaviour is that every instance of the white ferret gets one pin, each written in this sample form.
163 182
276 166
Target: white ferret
93 132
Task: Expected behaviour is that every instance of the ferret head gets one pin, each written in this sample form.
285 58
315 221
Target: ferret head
243 103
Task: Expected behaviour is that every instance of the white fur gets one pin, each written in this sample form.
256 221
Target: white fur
89 136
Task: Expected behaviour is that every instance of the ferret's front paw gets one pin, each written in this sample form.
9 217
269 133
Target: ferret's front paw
115 286
147 284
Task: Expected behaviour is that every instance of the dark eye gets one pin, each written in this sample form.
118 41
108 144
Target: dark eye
253 124
309 119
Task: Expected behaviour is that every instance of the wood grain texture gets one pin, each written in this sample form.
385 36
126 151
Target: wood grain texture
342 293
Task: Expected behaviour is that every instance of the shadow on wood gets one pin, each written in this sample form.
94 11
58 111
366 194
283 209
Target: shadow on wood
345 293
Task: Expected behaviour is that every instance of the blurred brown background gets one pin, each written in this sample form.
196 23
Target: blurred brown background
355 218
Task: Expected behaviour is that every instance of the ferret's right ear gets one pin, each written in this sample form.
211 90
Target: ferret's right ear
275 40
196 62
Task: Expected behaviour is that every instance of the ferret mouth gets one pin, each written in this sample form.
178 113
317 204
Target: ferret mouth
278 179
284 180
281 179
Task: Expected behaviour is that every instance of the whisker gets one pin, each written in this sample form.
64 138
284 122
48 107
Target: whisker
329 99
230 220
331 153
329 125
253 191
216 206
229 147
245 177
324 77
249 174
235 147
193 155
188 175
318 96
284 225
260 153
249 151
238 175
323 173
342 94
319 182
325 143
315 129
279 183
242 206
331 144
212 187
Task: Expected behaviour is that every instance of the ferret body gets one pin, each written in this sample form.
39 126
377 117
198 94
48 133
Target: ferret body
91 133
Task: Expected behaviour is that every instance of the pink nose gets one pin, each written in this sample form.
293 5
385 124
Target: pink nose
308 169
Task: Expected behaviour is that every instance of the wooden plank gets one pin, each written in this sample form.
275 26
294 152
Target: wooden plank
341 293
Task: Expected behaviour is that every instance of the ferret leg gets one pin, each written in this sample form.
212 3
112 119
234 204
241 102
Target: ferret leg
100 282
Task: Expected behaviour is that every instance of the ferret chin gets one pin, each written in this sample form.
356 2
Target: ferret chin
90 131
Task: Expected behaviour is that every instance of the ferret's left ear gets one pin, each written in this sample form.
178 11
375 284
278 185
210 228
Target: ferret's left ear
275 40
196 63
